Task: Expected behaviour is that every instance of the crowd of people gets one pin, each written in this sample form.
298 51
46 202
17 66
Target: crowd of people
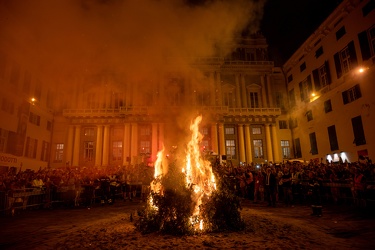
287 183
291 183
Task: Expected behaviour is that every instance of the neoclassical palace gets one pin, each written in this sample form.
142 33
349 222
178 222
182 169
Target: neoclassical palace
314 107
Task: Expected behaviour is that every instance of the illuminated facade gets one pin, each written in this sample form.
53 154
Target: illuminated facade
122 121
330 81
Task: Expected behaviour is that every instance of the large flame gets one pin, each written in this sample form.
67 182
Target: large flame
198 173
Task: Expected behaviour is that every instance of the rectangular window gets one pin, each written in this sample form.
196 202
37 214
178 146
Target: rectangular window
292 98
319 52
34 119
230 147
89 132
88 150
204 131
351 94
359 133
145 147
256 131
302 67
323 76
327 106
229 130
285 148
367 42
59 152
145 130
340 33
368 8
290 78
283 124
258 148
305 88
345 60
313 144
309 115
254 100
117 150
333 138
297 145
45 151
31 147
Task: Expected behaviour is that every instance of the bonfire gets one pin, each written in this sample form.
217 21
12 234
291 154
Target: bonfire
187 196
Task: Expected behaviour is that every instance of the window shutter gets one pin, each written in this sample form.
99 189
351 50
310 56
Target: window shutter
338 65
301 91
345 97
309 84
365 46
316 78
358 91
326 64
353 55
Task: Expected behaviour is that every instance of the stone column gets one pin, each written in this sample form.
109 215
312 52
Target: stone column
214 139
77 145
249 156
268 143
69 146
99 146
264 97
126 148
105 158
241 143
134 144
221 140
276 144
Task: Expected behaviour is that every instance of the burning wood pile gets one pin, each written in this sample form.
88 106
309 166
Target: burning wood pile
187 197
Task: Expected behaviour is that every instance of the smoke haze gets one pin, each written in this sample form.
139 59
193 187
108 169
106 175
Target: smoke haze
76 38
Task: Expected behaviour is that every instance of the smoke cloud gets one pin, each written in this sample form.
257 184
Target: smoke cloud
61 39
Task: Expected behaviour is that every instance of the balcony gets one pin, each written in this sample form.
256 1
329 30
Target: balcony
160 110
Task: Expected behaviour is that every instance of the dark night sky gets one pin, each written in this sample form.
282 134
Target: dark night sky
286 24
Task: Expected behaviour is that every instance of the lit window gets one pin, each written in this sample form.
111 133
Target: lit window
59 152
229 131
117 150
256 131
285 148
258 148
230 147
88 150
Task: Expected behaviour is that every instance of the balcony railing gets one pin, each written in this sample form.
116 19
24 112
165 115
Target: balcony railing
154 110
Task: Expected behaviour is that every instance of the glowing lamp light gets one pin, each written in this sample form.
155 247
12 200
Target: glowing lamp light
329 158
362 70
